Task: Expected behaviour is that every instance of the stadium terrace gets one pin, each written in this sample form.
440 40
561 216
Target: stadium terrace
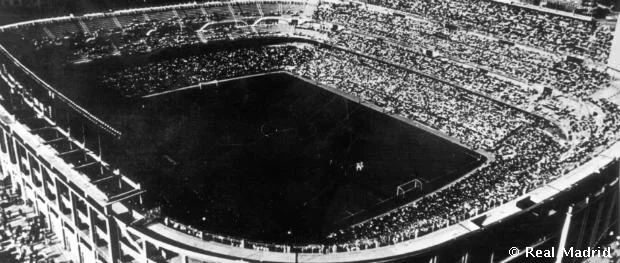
531 94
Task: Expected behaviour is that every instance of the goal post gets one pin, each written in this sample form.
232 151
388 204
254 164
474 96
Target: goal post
409 186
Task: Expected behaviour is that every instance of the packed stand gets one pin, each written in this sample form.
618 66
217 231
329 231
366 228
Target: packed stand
435 103
381 58
181 72
548 31
501 57
526 156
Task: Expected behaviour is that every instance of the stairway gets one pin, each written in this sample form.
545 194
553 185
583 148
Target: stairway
84 27
48 33
116 22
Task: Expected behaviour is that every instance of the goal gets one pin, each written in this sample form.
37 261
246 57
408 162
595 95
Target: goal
409 186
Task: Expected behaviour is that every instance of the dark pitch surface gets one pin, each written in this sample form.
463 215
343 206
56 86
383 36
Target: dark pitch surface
259 157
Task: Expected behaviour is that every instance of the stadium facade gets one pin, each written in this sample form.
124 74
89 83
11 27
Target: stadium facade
98 217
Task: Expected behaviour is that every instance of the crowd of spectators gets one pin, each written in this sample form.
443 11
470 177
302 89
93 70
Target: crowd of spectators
180 72
548 31
460 46
526 155
573 80
490 186
527 158
473 78
423 98
464 68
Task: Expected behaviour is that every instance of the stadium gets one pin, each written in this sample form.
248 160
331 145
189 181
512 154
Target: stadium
313 131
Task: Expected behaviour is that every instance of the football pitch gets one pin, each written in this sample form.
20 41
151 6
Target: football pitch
272 158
